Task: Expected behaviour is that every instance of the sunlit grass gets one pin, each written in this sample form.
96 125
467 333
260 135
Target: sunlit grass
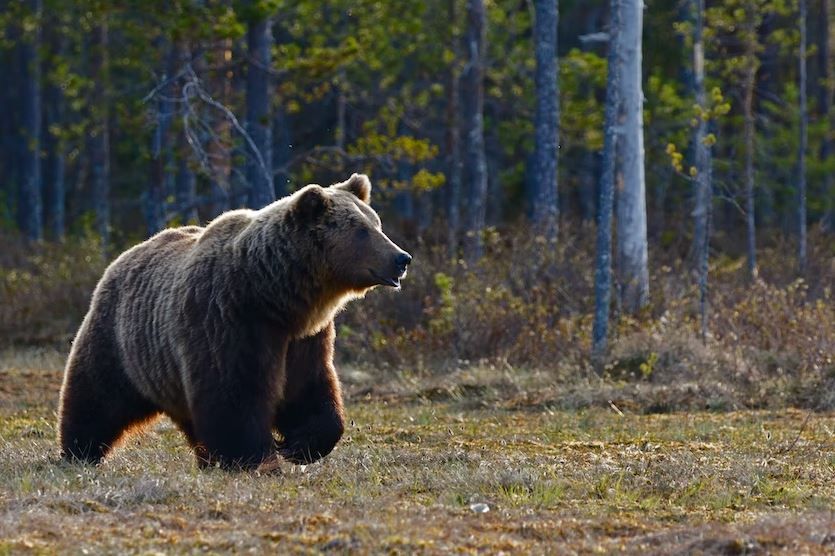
410 470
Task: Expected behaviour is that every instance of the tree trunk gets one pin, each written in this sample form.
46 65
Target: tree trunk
99 141
748 112
341 107
632 206
259 164
186 186
704 189
546 123
154 198
603 258
801 155
9 141
453 138
30 201
238 183
55 190
473 123
824 107
185 182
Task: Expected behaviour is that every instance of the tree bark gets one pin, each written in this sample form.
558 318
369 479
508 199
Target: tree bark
186 186
154 198
824 107
30 196
185 182
55 190
749 131
99 135
704 188
9 97
453 137
631 206
259 164
546 123
801 155
473 123
603 257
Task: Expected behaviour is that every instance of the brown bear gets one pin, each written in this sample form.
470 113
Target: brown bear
228 330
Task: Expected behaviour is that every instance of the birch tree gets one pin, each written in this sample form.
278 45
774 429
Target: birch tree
473 123
704 188
603 258
750 62
546 123
631 206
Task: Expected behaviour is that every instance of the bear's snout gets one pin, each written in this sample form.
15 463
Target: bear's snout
402 261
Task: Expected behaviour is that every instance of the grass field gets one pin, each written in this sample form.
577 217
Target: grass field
415 472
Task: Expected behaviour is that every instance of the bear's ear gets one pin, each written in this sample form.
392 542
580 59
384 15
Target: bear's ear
312 202
359 185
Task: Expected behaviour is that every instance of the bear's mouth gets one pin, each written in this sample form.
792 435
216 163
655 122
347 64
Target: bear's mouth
393 282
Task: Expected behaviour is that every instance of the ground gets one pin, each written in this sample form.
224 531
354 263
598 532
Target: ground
434 469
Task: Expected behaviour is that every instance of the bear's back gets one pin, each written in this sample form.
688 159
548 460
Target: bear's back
141 290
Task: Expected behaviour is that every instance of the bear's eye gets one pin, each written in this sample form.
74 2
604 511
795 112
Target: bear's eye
362 233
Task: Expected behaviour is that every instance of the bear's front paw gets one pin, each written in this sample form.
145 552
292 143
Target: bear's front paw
270 466
303 452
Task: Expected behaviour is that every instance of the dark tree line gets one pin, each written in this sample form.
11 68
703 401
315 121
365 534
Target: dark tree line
124 118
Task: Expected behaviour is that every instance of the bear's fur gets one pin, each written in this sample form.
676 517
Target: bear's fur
228 330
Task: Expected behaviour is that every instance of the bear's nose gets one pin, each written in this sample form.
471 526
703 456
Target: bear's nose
403 260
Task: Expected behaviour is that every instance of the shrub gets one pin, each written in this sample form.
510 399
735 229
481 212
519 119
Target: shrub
45 288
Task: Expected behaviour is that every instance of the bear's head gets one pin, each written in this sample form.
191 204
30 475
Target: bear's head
357 254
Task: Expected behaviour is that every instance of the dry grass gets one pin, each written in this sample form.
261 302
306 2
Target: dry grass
417 455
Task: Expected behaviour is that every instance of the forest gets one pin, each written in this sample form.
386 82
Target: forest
618 330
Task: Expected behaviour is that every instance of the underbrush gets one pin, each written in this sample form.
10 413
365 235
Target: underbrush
527 307
45 288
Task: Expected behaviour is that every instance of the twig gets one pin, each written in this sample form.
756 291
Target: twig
791 446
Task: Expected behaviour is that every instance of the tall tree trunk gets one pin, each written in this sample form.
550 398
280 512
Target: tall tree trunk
219 149
30 201
186 186
453 137
185 182
258 121
282 131
9 142
341 107
748 112
546 123
801 155
704 188
239 187
55 190
824 107
99 141
632 205
473 123
154 198
282 151
603 257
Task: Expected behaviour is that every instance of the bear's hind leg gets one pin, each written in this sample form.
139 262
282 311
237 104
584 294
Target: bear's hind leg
310 416
98 404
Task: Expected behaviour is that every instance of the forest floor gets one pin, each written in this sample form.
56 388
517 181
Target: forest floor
434 470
